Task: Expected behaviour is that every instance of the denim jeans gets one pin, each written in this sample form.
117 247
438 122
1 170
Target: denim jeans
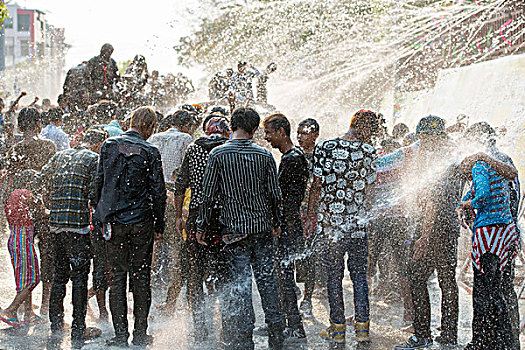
71 260
334 263
254 253
491 323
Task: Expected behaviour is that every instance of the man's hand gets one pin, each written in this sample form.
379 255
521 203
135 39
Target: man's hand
311 226
277 232
469 161
467 205
421 247
157 236
180 226
201 238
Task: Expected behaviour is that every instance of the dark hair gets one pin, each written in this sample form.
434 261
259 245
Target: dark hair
106 111
246 119
181 118
310 123
277 121
481 131
400 130
28 119
220 110
95 135
122 113
54 115
46 101
365 118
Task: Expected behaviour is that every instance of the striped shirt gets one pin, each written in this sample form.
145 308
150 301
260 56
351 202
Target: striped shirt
242 177
490 196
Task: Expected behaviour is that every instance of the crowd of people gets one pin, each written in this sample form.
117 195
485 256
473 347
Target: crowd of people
113 190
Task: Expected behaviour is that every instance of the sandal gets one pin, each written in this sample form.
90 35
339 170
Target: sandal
13 322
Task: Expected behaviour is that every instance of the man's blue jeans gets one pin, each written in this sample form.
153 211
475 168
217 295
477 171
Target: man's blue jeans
334 263
254 253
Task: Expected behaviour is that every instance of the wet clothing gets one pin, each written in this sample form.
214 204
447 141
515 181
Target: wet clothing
198 257
491 323
171 144
70 179
490 196
30 154
71 262
333 259
243 178
75 88
129 252
346 168
130 183
498 240
443 260
191 174
252 254
23 257
18 209
55 134
100 75
113 128
293 178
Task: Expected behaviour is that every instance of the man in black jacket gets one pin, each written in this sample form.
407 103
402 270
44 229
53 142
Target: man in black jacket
101 73
131 198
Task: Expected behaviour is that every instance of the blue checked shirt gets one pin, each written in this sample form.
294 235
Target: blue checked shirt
69 179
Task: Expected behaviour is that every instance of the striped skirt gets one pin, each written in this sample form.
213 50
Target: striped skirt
500 240
23 257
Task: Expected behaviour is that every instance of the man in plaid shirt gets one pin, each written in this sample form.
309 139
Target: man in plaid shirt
69 179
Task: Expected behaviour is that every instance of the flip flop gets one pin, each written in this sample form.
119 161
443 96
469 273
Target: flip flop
13 322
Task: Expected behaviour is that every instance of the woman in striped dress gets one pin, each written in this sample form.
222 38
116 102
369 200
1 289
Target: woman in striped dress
21 208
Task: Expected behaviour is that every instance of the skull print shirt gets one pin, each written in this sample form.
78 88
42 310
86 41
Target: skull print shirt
346 169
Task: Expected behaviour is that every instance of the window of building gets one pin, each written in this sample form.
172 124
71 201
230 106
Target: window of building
8 23
24 48
24 21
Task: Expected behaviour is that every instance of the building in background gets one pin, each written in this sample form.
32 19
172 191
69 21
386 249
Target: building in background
33 52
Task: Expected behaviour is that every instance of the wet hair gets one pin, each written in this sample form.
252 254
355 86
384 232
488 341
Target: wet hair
106 111
481 131
311 124
54 115
400 130
95 135
182 118
121 114
46 101
143 117
246 119
106 47
28 119
219 110
277 121
365 118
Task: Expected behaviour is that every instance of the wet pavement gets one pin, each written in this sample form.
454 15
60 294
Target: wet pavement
173 333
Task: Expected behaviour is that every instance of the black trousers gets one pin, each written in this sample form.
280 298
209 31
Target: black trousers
443 259
287 246
491 325
130 251
98 253
71 260
511 297
195 255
